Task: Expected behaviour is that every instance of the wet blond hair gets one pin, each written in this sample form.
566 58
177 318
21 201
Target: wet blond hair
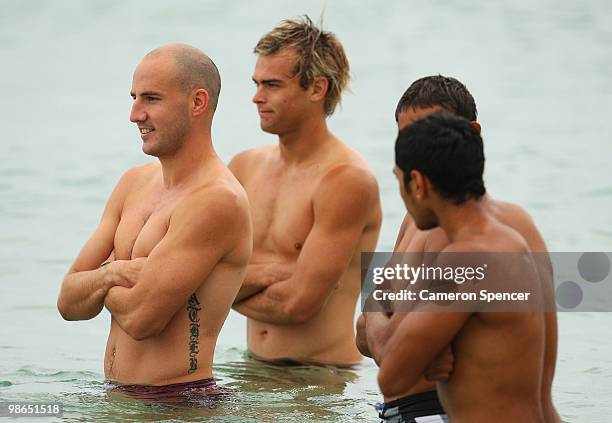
319 55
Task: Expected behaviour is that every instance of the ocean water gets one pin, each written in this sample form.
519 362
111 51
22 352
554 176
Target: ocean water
541 74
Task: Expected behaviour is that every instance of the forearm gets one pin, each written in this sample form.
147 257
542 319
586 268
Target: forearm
418 338
126 308
264 308
260 276
392 358
279 304
389 382
254 282
82 294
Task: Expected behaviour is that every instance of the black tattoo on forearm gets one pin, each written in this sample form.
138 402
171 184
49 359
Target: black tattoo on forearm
193 308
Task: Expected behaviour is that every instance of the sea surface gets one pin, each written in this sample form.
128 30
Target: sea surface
541 73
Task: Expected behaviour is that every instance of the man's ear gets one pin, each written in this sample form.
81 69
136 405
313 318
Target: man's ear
199 102
418 185
319 89
476 125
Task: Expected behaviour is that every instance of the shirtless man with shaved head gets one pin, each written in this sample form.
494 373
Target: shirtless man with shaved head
167 259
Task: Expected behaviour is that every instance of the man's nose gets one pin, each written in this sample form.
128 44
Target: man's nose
258 97
137 114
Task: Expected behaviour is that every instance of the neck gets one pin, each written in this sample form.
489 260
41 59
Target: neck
304 141
456 219
179 167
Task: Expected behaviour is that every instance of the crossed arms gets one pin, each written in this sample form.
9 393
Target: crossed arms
343 206
145 293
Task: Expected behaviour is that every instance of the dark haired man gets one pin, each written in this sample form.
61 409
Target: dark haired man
425 96
439 165
314 201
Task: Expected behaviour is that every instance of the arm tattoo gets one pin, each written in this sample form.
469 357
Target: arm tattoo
193 308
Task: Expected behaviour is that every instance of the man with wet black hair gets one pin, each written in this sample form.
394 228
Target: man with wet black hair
425 96
442 92
439 166
448 151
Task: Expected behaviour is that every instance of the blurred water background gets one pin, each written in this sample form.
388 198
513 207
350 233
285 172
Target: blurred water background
541 73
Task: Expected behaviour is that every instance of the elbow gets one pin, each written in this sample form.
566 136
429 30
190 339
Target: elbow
63 306
64 310
298 311
388 383
384 384
362 346
140 329
69 313
394 381
360 326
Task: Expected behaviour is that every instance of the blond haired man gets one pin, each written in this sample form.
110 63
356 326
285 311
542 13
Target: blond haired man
315 204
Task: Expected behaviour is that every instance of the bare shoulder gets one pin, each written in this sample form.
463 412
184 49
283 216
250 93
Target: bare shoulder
349 182
466 253
248 158
408 221
520 220
347 154
469 246
132 181
216 213
406 230
139 174
498 238
223 199
436 240
513 213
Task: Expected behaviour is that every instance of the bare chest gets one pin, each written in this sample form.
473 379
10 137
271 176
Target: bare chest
144 223
282 211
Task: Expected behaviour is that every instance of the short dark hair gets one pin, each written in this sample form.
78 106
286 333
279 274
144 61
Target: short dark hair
438 90
448 150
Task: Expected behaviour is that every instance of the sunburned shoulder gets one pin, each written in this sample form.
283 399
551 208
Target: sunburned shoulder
222 202
348 192
224 193
349 179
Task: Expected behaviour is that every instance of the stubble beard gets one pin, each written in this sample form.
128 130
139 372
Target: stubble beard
170 139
